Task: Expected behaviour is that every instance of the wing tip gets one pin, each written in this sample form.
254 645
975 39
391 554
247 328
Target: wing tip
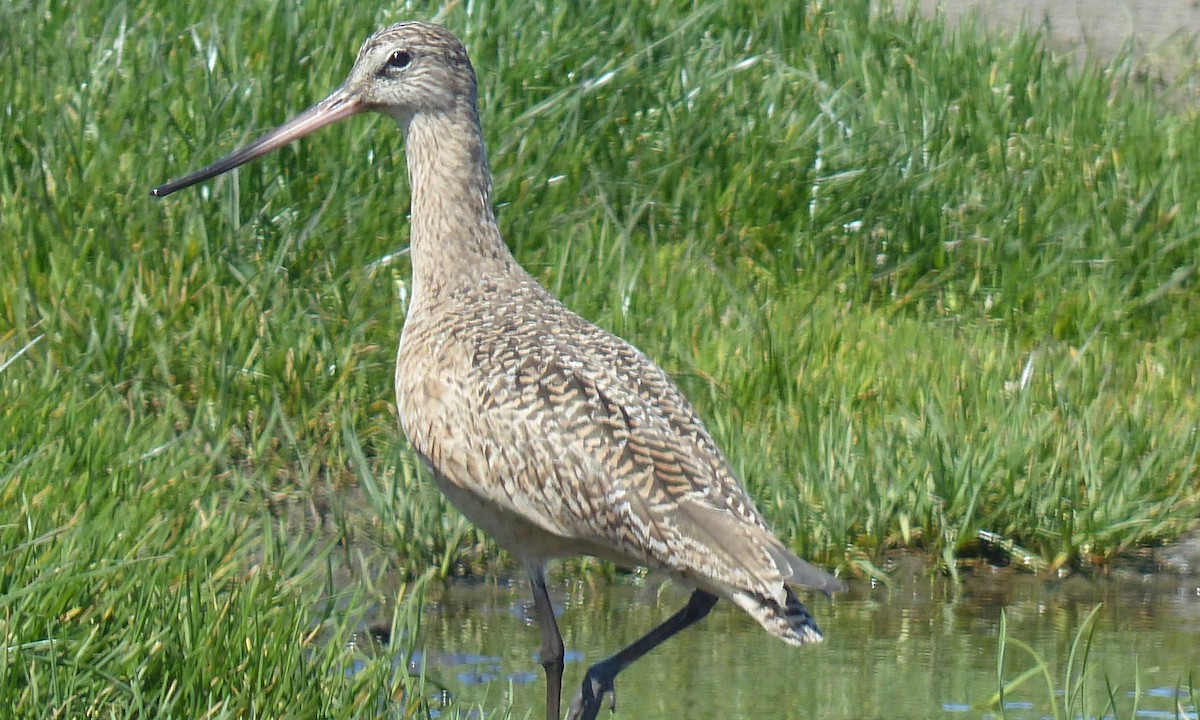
802 573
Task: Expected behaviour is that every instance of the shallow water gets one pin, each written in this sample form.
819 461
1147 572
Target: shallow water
914 650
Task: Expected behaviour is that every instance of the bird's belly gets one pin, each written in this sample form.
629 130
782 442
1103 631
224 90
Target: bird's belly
509 528
482 489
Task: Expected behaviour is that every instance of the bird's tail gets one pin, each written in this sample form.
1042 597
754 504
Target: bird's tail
791 621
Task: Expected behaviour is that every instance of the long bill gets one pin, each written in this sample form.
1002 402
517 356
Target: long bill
339 105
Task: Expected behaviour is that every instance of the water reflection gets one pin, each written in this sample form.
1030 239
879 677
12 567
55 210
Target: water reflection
918 649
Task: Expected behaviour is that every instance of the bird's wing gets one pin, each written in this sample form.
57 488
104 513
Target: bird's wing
602 446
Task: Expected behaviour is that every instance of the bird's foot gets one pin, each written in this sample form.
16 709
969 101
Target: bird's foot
596 684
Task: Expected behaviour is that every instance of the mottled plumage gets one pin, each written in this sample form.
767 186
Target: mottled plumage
579 444
554 436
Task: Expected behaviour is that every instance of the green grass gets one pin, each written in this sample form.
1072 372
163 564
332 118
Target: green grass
924 284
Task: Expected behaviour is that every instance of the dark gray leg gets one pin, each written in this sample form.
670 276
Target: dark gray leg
551 655
599 679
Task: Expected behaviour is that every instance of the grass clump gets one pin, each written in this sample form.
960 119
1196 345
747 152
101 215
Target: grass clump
925 284
1078 691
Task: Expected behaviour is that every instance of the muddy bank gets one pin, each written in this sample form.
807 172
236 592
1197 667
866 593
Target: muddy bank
1162 34
1102 28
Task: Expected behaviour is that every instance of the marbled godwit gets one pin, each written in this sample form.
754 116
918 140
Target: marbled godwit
555 437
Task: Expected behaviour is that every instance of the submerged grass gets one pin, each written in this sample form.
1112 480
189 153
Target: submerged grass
1080 689
926 285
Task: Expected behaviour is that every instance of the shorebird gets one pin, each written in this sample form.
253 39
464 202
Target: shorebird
554 436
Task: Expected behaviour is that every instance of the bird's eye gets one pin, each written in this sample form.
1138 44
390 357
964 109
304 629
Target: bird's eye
399 59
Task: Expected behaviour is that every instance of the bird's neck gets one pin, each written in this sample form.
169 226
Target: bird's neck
454 232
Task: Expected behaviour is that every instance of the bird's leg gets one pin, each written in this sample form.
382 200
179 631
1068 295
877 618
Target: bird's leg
599 678
551 655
